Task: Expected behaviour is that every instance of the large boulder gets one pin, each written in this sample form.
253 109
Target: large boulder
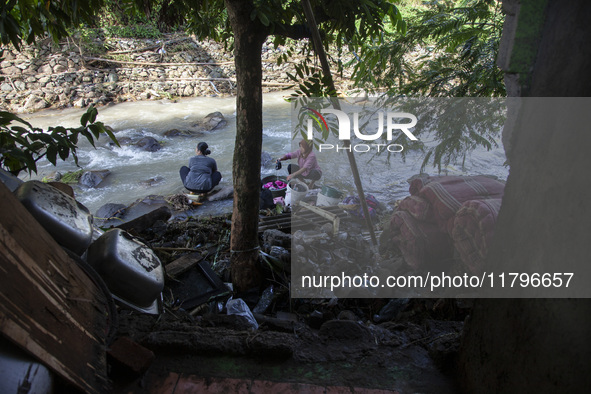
148 144
92 179
213 121
178 133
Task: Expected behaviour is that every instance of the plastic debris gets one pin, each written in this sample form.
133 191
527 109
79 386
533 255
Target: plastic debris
239 307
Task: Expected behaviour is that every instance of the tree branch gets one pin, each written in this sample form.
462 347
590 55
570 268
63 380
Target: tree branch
296 32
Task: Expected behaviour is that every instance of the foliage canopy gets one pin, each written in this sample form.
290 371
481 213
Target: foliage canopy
457 46
21 144
449 50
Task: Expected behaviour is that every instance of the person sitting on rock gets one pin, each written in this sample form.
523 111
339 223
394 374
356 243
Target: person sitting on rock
202 175
307 168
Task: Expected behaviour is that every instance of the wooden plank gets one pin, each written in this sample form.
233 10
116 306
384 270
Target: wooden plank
332 217
305 218
48 305
183 264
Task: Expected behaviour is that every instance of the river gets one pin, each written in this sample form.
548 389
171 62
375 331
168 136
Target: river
130 168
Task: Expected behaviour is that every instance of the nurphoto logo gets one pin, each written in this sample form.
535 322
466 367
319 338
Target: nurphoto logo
395 122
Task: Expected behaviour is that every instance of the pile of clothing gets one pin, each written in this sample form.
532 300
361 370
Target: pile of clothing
447 214
275 185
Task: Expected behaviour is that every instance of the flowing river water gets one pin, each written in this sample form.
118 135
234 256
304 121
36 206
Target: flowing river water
136 174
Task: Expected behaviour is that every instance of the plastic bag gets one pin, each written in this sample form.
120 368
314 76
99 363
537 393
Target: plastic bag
239 307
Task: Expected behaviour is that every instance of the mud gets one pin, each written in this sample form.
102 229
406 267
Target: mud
316 341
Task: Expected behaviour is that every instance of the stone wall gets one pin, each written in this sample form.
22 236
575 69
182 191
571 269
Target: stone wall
62 75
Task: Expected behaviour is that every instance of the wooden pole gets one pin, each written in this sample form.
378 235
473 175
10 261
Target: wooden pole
319 49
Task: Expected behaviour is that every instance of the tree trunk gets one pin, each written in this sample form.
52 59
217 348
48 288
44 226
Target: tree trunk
540 345
246 169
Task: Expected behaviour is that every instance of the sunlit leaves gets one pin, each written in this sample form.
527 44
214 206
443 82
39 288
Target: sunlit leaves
22 145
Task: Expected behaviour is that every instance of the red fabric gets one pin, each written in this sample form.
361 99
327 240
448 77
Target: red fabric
446 212
422 244
417 184
418 207
447 194
473 230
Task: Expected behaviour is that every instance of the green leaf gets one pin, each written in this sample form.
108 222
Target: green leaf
63 151
253 14
36 146
112 136
96 130
88 136
93 114
84 119
51 154
264 19
20 130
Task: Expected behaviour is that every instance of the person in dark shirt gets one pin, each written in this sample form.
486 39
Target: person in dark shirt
202 175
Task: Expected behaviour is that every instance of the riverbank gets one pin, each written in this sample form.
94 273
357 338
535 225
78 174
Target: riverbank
49 75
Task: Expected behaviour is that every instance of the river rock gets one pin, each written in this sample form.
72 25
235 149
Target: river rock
10 180
221 194
151 182
275 237
177 133
45 69
123 141
92 179
110 210
266 159
34 103
213 121
148 144
145 221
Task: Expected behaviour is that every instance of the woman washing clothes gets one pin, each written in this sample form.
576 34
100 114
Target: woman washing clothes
202 175
307 167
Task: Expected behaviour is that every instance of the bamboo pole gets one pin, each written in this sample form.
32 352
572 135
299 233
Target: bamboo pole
319 49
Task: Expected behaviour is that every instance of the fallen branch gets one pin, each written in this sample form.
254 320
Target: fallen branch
100 59
147 48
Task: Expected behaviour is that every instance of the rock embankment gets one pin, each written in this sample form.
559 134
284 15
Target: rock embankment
64 75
